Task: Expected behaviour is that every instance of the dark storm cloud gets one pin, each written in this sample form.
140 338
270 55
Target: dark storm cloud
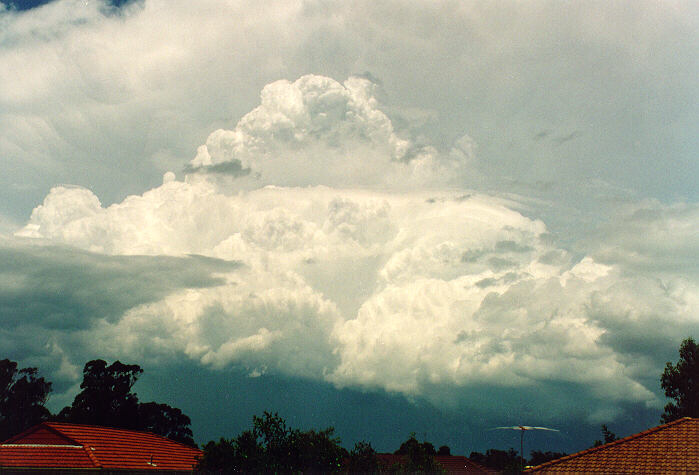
233 168
63 288
21 5
24 4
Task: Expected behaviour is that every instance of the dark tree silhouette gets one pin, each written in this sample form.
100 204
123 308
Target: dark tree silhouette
420 455
681 383
22 398
412 443
106 399
538 457
276 441
164 420
507 461
318 452
249 453
271 446
242 454
221 455
444 450
607 435
291 450
362 459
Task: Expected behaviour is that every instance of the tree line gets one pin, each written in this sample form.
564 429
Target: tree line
106 399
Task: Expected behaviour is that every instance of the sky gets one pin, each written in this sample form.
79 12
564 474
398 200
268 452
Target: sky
386 217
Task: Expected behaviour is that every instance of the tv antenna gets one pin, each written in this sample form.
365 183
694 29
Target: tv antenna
523 429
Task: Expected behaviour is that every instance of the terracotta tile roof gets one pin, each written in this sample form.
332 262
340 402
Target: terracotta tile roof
45 457
60 445
669 448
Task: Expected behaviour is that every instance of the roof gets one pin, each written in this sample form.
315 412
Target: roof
453 464
59 445
669 448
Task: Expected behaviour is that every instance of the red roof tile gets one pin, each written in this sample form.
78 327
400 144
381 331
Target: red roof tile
669 448
45 457
60 445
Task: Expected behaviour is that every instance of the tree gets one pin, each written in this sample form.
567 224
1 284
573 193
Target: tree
444 450
271 446
218 456
243 454
318 452
508 461
607 435
538 457
290 450
167 421
362 459
420 455
276 441
681 383
412 443
249 453
106 399
22 398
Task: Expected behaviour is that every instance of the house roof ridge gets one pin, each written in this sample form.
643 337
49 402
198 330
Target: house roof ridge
116 429
65 446
45 425
97 447
638 435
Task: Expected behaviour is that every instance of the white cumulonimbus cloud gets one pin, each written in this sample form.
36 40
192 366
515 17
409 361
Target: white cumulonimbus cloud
317 131
421 291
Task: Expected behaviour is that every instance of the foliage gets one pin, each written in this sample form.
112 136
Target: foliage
420 456
509 461
681 383
249 456
106 399
276 441
319 451
362 459
501 460
538 457
22 398
271 446
164 420
444 450
607 435
219 455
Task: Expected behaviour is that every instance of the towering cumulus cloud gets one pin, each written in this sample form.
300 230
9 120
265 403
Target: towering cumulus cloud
331 249
316 131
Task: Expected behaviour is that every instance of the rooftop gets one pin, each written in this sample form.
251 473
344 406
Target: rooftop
61 445
669 448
